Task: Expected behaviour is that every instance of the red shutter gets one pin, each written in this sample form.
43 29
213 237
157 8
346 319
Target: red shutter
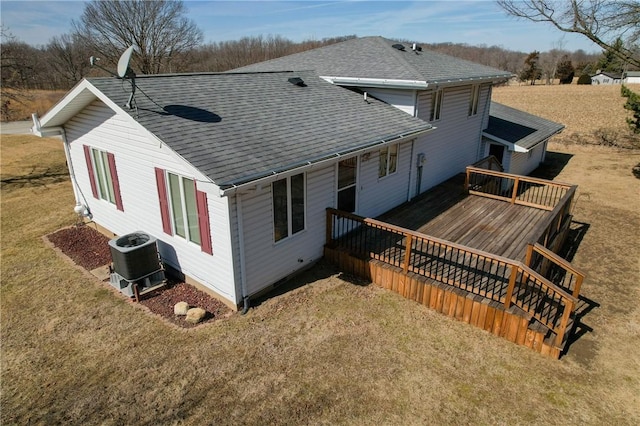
114 179
164 203
92 176
203 222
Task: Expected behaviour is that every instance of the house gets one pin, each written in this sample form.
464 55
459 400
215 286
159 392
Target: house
517 139
233 172
452 94
632 77
606 78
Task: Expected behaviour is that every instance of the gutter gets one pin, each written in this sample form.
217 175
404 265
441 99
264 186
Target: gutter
265 177
376 82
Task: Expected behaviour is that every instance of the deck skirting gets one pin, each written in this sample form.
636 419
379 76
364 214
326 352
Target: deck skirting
491 316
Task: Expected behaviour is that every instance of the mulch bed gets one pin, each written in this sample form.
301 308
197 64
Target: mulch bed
89 248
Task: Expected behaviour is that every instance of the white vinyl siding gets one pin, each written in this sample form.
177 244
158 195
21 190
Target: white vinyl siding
375 195
268 262
523 163
455 143
138 153
404 100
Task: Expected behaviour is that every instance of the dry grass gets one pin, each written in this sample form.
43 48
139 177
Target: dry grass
39 101
591 114
329 352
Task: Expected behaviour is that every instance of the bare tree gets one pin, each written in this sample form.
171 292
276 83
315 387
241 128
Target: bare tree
601 21
69 58
159 29
15 72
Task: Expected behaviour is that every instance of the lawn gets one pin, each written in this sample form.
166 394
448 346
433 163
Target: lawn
331 351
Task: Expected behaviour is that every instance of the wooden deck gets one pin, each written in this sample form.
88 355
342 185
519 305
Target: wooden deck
486 224
489 242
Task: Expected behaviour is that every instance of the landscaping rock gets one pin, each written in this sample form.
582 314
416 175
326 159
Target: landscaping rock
195 315
180 308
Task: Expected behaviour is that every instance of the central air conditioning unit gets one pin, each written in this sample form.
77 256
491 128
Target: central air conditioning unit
135 262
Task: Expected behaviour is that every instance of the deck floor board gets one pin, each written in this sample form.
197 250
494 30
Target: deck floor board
483 223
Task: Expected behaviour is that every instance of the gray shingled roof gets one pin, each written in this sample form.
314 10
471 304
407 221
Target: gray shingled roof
518 127
374 57
238 127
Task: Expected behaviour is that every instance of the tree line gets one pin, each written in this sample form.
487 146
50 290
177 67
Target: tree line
173 44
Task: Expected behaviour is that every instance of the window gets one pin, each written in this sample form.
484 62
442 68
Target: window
388 163
183 209
184 212
103 176
473 101
436 105
288 206
347 174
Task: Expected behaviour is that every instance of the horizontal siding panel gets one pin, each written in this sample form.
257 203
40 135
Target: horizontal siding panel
378 195
136 155
404 100
268 262
454 144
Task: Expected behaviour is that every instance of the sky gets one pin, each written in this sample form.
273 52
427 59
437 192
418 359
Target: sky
478 22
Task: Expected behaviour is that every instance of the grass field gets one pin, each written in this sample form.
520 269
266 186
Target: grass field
330 351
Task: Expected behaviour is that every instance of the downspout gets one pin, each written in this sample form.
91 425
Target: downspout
409 197
243 275
77 192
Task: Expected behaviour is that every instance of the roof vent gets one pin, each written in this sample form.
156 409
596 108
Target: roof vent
398 46
416 48
297 81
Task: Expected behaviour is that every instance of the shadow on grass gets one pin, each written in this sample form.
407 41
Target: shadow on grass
45 178
553 164
320 270
577 232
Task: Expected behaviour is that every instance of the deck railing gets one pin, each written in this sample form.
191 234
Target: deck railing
497 278
555 269
516 189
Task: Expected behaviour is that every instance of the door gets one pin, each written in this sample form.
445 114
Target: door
347 178
498 152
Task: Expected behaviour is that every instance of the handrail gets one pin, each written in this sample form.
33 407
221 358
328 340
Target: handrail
522 178
560 262
517 276
522 190
491 159
565 202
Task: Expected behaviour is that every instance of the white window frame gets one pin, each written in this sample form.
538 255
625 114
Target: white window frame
387 157
194 239
474 100
101 165
353 185
289 201
436 105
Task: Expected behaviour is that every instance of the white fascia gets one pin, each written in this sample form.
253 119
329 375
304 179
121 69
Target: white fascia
512 147
376 82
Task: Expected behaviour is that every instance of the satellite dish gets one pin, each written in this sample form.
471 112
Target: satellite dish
123 63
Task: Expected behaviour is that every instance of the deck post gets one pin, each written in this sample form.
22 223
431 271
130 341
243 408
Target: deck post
568 308
407 253
329 228
514 194
529 256
512 285
467 180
